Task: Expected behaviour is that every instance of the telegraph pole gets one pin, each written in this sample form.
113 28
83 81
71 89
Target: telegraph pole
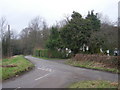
119 27
9 42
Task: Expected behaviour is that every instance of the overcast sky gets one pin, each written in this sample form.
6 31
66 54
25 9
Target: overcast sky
19 12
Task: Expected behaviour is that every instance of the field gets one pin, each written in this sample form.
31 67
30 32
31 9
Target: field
14 66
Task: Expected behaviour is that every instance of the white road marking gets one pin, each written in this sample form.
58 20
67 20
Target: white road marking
47 69
41 69
42 76
17 88
50 70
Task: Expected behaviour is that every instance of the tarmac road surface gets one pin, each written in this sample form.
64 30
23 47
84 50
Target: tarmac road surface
50 74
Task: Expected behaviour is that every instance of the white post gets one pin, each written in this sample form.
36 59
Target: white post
87 48
83 47
108 52
101 50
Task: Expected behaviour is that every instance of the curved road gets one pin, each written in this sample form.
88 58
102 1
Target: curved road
50 74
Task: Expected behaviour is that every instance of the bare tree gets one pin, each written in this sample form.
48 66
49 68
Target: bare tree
104 19
109 32
3 26
44 34
34 36
38 31
37 23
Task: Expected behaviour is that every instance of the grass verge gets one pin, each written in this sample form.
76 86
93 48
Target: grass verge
20 63
94 84
91 65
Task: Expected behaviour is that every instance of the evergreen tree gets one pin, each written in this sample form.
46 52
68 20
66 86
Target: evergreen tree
54 40
95 22
76 33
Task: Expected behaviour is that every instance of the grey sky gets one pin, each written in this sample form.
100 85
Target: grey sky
19 12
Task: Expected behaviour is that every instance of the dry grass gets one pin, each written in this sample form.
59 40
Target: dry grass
98 62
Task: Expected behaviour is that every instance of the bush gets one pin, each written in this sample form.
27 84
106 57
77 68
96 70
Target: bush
36 52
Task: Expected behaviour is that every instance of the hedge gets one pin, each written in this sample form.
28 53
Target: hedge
49 53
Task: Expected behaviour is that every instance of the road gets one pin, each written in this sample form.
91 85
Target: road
50 74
